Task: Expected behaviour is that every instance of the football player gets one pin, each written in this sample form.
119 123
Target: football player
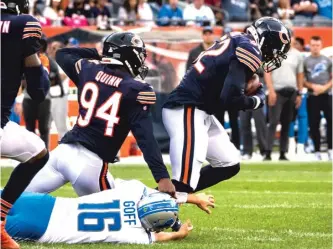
129 213
215 82
113 100
20 36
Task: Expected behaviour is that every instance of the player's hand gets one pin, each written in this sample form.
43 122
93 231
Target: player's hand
259 99
205 201
318 89
298 101
45 62
165 185
272 98
185 229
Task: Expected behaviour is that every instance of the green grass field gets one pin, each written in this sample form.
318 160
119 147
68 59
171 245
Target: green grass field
265 206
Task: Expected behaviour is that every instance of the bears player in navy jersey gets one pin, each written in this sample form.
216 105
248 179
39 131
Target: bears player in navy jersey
215 82
113 100
20 36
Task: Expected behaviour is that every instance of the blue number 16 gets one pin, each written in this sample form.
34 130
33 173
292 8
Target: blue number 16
99 216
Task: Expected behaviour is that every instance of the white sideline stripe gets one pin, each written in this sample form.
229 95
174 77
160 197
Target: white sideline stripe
272 192
250 238
283 205
288 232
289 171
295 181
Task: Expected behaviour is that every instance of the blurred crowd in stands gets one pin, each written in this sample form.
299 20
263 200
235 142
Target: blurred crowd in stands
104 13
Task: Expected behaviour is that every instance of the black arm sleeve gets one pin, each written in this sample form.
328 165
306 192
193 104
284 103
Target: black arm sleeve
142 129
232 95
67 57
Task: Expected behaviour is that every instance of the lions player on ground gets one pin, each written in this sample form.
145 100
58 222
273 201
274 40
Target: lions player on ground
111 103
129 213
20 37
216 82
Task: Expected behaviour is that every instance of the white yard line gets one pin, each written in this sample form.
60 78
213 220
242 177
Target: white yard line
281 205
288 232
282 180
272 192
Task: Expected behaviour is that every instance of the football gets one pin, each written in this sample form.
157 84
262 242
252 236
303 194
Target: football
252 85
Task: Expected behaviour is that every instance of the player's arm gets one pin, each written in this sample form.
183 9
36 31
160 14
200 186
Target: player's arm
183 232
70 60
232 94
142 129
37 78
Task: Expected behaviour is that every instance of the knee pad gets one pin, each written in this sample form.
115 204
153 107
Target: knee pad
182 187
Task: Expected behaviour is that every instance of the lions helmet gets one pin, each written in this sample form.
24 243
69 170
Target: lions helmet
273 39
158 211
128 49
15 6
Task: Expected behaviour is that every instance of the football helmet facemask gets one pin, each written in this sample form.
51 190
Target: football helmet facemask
128 49
16 7
273 39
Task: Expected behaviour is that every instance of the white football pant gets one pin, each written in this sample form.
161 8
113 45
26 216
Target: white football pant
18 143
196 136
73 163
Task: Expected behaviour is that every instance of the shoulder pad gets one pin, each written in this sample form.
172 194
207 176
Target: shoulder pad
248 53
146 95
32 27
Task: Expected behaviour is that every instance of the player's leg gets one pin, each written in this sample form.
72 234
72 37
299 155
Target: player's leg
261 129
327 109
222 156
29 217
59 112
24 146
49 179
187 129
314 121
85 170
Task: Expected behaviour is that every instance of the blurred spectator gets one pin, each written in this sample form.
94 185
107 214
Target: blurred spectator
34 111
238 10
78 7
101 12
318 75
304 11
54 12
170 14
324 16
197 13
207 41
300 114
284 94
261 8
145 13
128 14
59 93
37 13
284 10
299 44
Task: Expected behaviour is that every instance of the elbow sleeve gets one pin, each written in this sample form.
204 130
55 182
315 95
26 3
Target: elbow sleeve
38 83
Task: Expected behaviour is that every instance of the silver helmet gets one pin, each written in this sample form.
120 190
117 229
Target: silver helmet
158 211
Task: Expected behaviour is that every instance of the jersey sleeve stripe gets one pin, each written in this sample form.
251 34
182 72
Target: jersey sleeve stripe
146 102
32 35
146 98
248 59
146 93
78 66
249 54
33 23
248 64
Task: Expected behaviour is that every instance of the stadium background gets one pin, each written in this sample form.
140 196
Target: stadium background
168 49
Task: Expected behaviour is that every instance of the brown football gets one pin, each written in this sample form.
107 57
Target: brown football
252 85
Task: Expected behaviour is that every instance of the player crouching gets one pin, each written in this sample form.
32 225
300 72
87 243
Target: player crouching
130 213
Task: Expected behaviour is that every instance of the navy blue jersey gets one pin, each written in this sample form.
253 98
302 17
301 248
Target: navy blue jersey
111 103
217 78
20 36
